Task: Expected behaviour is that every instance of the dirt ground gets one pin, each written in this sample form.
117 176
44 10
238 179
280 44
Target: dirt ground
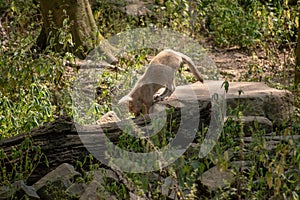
274 66
236 64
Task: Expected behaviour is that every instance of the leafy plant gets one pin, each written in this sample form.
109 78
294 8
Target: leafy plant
20 165
35 88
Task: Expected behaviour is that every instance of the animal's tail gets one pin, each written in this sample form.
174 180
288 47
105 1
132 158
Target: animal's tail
193 68
190 63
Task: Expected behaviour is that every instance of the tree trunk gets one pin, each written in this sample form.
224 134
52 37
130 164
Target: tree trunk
297 67
75 18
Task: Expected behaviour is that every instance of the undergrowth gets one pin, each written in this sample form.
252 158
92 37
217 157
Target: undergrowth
35 88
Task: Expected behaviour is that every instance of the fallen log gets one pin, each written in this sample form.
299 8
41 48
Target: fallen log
60 142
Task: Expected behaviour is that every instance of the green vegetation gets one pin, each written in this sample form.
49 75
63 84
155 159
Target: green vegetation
35 88
24 168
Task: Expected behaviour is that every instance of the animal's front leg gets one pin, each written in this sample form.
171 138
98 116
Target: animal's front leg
166 93
146 108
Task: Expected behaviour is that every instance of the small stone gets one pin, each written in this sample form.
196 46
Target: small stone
58 178
214 178
63 172
96 190
18 189
76 189
166 186
111 116
248 122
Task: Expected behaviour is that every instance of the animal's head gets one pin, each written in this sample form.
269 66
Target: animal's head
134 107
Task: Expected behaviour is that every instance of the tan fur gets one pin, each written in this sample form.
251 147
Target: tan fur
159 74
140 98
175 59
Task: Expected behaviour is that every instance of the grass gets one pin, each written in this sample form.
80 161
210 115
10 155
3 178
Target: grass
35 89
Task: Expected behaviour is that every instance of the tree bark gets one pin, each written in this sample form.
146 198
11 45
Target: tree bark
297 67
81 25
60 142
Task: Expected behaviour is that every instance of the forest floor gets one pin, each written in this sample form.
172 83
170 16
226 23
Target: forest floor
268 64
237 64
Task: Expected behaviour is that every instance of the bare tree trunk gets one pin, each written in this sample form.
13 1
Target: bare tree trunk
81 25
297 67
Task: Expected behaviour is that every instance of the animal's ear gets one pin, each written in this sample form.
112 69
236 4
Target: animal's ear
125 100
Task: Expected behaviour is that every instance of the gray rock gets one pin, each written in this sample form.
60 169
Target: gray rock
133 196
167 185
132 7
91 191
18 190
249 122
170 187
95 189
110 116
257 98
216 178
76 189
261 100
63 172
58 178
273 141
136 9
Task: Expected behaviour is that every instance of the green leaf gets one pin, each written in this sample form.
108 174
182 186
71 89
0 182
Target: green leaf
226 85
269 179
